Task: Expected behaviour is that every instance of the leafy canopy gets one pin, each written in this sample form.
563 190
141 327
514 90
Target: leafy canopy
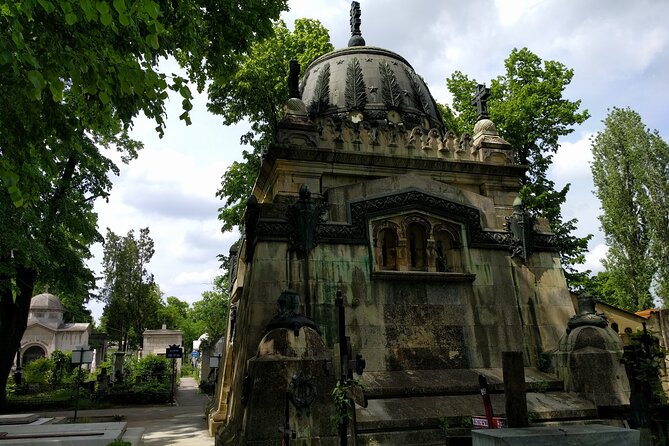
630 172
530 112
132 298
75 74
256 92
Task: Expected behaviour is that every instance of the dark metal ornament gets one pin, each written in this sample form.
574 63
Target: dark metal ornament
481 101
356 36
301 391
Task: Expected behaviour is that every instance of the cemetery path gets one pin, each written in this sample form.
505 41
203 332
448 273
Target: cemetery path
179 425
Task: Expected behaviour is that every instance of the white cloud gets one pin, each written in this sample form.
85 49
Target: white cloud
593 260
205 277
619 51
572 161
511 11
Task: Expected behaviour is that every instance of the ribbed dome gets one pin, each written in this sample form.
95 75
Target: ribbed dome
46 302
363 83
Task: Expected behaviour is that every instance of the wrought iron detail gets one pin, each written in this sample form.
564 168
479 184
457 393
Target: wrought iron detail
303 216
480 99
301 391
356 35
294 79
356 231
520 224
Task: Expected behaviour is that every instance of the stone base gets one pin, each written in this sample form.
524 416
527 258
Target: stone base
84 434
592 435
214 425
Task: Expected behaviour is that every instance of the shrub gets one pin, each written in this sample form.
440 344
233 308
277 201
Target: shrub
61 365
38 372
152 368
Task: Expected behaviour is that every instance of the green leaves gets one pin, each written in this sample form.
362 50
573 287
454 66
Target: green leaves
105 13
10 180
256 91
37 80
630 174
528 109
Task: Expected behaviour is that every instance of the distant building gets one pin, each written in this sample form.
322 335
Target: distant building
46 331
157 341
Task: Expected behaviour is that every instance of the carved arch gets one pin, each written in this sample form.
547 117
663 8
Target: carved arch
386 242
448 248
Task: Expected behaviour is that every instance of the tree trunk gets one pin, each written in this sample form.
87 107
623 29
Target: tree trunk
13 322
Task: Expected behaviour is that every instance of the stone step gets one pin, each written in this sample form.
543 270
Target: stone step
422 437
396 384
439 412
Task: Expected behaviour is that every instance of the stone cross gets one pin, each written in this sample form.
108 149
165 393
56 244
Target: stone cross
356 36
481 101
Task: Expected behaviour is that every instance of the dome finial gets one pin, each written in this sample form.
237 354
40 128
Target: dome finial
356 36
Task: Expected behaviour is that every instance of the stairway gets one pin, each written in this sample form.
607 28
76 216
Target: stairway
434 407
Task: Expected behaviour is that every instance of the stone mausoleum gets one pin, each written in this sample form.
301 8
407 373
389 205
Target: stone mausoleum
439 268
46 331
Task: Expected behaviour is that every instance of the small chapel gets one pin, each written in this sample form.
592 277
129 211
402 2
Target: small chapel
382 248
47 332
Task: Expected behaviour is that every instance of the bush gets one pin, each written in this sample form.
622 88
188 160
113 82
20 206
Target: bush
152 368
38 372
148 393
62 363
187 369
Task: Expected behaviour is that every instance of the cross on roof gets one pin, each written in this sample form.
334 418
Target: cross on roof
481 101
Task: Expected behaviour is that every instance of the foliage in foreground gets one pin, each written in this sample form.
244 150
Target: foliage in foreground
75 75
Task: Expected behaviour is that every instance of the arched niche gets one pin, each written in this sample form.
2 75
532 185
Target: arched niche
31 353
448 247
386 243
416 230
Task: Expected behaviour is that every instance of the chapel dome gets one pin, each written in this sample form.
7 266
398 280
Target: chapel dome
46 302
365 83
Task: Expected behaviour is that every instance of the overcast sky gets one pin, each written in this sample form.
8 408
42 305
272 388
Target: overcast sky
619 51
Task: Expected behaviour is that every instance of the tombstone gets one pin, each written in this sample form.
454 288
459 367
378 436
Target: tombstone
119 357
589 356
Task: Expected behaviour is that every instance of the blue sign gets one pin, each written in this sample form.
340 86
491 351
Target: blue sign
173 352
195 353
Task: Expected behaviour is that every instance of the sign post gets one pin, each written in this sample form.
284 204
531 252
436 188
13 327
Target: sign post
80 356
173 352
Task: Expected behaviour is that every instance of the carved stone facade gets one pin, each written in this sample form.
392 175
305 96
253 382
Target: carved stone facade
366 192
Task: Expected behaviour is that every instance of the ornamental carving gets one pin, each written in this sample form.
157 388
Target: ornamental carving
321 101
356 91
356 232
390 89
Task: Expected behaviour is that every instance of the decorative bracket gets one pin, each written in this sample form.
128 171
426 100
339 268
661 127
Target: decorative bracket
520 225
304 215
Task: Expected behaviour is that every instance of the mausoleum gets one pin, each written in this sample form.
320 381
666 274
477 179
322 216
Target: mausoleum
439 270
46 331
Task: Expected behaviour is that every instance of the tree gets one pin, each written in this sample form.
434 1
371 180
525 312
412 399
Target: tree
178 314
75 74
630 172
257 92
530 112
212 309
132 298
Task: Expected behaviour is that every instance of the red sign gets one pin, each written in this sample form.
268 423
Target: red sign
481 422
